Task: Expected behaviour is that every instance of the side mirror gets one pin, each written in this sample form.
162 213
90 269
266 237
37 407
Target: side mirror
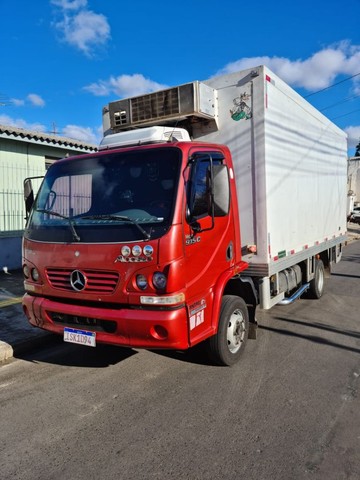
28 195
220 190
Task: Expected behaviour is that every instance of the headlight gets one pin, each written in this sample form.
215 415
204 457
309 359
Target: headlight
141 282
26 271
159 280
35 274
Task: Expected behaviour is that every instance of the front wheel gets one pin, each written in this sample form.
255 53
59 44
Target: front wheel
228 344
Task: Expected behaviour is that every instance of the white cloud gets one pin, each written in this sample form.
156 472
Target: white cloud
357 86
70 4
83 134
313 73
353 136
124 86
86 30
17 102
20 123
81 27
33 98
36 100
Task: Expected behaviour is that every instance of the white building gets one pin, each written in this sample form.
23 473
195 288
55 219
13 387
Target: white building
25 153
354 178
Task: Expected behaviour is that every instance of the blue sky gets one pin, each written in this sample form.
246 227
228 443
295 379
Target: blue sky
63 60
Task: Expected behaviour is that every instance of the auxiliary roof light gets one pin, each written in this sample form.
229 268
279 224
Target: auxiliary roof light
136 250
125 251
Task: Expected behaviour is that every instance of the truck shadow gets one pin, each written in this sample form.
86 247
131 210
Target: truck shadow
353 258
197 355
59 353
315 338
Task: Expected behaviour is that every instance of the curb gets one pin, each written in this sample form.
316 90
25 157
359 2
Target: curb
8 351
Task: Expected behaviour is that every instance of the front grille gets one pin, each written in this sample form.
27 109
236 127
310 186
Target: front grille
97 281
92 324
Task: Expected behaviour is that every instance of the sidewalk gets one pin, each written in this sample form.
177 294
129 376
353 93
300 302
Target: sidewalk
18 336
16 333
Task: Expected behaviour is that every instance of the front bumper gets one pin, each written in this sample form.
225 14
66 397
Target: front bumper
130 327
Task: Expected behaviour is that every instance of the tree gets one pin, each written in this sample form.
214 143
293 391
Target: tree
357 152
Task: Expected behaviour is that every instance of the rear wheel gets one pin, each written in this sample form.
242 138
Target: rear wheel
228 344
317 284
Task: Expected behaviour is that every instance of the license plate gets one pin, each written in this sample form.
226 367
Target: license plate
80 337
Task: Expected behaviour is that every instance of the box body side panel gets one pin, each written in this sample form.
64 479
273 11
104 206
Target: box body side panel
290 164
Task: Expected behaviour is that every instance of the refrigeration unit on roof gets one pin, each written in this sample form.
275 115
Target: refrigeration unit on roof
189 101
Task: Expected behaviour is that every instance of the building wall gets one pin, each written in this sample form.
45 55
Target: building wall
20 159
354 178
17 161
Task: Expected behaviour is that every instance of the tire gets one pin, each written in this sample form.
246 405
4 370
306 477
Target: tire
317 284
226 347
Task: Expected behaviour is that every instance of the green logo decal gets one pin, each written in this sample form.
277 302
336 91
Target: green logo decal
240 110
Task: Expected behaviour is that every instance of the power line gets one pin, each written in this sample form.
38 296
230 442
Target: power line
341 101
345 114
333 85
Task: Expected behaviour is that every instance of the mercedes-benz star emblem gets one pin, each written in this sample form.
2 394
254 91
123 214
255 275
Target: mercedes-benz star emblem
77 280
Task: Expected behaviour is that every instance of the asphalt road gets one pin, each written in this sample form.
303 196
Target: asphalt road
289 410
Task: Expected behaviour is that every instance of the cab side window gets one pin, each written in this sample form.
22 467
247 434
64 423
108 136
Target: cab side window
197 189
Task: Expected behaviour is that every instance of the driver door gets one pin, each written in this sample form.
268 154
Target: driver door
208 244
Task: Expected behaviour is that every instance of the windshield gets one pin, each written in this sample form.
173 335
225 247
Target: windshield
108 198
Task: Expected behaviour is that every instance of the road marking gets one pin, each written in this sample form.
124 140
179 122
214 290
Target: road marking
3 385
10 301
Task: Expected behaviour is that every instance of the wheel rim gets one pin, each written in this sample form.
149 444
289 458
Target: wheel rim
236 331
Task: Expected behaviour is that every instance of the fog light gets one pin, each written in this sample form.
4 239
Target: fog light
159 332
141 282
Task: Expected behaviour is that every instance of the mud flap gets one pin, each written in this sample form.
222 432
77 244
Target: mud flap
253 330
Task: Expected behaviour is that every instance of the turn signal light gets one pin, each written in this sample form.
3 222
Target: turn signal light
163 300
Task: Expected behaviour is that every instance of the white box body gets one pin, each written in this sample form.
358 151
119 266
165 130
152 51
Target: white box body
290 165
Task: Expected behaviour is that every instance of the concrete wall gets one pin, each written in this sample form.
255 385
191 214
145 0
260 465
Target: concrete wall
10 252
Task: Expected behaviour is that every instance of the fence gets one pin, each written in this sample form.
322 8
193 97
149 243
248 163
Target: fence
12 206
12 211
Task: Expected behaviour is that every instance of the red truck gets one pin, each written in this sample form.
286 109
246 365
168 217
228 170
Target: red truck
204 202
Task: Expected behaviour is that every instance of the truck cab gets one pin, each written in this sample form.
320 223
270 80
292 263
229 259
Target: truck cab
144 240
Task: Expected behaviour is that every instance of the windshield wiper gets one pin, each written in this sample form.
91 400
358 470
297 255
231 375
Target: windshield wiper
118 217
56 214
